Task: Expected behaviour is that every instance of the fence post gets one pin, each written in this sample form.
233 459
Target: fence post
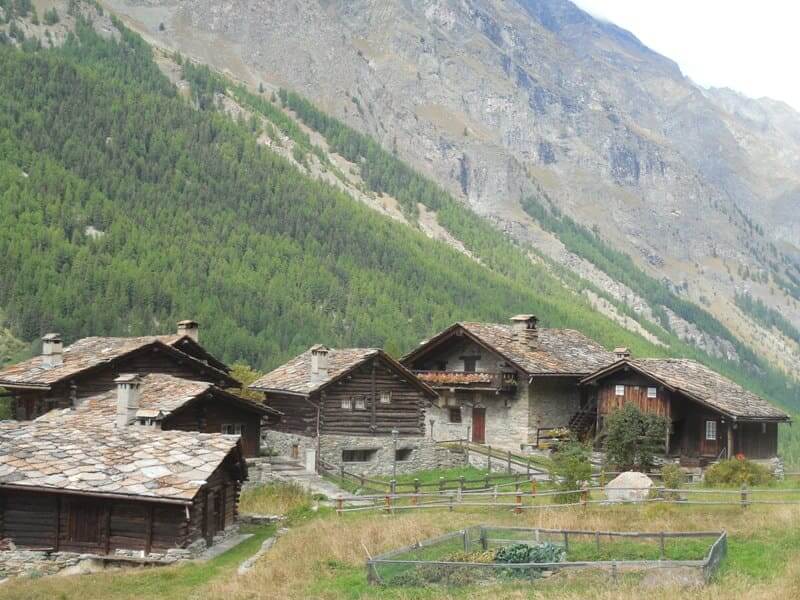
516 486
597 541
452 497
466 539
487 482
602 478
533 488
508 467
661 543
441 484
484 542
495 494
414 498
566 542
388 504
461 483
393 487
361 480
416 486
518 507
339 505
528 466
489 459
744 496
614 571
584 496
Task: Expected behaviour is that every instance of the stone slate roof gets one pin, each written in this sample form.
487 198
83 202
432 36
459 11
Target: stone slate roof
133 461
88 353
159 395
555 351
294 377
703 385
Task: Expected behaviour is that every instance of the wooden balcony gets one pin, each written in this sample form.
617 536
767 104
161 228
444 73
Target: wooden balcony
469 380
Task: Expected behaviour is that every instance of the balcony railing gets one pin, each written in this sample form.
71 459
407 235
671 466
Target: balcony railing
469 380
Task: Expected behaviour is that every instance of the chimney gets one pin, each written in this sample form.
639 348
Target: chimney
189 328
525 329
622 353
127 398
52 351
319 363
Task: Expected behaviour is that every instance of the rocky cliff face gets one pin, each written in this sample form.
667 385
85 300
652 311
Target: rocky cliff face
499 100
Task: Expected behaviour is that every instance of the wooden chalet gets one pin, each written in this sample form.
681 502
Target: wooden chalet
168 403
102 488
346 399
506 385
712 417
60 377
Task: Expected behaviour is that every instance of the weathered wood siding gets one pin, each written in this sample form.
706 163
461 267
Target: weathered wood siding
755 440
635 393
299 415
210 413
404 412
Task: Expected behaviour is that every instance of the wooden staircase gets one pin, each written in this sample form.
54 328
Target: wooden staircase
583 422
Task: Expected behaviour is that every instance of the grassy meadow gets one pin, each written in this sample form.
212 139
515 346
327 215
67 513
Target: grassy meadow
322 556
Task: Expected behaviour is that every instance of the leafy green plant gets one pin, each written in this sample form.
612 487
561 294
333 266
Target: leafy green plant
572 468
634 438
738 471
546 552
672 477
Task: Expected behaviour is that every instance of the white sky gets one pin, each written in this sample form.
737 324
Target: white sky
752 47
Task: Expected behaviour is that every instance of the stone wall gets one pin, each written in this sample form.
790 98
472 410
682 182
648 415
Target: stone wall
424 453
506 426
259 472
553 401
280 443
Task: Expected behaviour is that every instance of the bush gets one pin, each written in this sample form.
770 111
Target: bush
672 478
634 438
572 468
738 471
546 552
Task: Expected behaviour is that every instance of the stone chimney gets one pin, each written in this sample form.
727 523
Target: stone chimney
622 353
52 351
525 329
189 328
127 398
319 363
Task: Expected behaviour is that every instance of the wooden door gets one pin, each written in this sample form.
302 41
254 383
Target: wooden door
84 524
478 425
710 433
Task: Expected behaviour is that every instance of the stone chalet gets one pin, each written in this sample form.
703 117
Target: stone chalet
711 416
343 405
60 377
506 385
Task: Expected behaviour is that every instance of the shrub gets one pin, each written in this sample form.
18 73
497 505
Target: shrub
546 552
738 471
572 468
672 478
634 438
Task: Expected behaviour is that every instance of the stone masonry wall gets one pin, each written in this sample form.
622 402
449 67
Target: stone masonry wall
553 402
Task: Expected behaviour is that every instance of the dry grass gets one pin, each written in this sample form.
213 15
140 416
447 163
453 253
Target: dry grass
324 558
273 500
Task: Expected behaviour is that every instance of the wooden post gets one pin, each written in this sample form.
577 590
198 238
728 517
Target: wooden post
508 458
662 546
393 487
566 542
597 541
451 501
466 539
414 498
516 486
489 459
441 484
584 496
484 542
461 483
528 466
602 479
388 504
416 486
533 488
744 497
518 507
339 505
487 482
361 480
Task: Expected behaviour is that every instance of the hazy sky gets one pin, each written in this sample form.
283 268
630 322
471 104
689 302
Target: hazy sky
752 47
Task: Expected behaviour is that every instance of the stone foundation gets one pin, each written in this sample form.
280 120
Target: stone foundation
259 472
420 452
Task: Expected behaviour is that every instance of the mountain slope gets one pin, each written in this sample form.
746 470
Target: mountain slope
503 101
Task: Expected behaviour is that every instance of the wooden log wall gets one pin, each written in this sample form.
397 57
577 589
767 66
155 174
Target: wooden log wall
755 440
636 394
299 416
405 411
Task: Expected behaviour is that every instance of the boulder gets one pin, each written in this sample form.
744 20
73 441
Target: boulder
629 486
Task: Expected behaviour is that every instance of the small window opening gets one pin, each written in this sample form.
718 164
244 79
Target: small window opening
358 455
652 392
403 454
620 390
454 414
386 397
233 428
711 430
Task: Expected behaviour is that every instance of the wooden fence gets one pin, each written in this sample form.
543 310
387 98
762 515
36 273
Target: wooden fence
419 555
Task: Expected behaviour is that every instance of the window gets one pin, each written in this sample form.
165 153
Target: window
454 414
620 390
470 363
347 404
386 397
360 403
711 430
652 392
233 428
358 455
403 454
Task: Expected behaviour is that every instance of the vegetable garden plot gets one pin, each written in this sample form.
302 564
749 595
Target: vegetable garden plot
482 553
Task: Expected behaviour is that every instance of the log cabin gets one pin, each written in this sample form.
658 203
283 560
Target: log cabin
102 489
60 377
343 405
508 386
167 403
711 416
